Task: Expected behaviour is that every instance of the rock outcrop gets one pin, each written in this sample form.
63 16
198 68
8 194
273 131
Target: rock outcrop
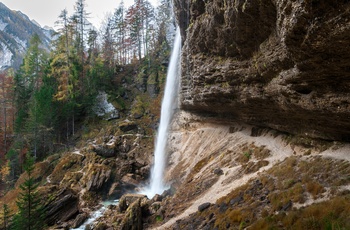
63 207
276 63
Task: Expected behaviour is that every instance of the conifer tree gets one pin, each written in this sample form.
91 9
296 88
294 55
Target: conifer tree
27 82
119 33
30 215
5 217
45 113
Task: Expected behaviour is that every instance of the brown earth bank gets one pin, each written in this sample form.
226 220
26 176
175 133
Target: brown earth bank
237 176
275 63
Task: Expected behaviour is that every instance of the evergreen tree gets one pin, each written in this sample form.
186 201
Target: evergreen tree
44 112
27 83
5 217
30 215
66 68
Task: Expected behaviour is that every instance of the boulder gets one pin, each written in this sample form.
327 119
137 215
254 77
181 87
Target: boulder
97 176
79 220
130 179
157 198
138 115
237 200
127 199
63 208
126 126
203 206
104 151
218 171
154 207
133 217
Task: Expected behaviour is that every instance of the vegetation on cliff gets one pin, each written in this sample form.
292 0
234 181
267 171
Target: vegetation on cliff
52 111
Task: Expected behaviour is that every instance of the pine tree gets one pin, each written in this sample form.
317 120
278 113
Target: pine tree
30 215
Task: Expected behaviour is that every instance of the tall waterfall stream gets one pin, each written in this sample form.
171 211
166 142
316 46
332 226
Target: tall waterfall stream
169 104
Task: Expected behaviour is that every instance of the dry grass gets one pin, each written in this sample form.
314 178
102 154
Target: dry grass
332 214
267 202
69 162
252 151
307 142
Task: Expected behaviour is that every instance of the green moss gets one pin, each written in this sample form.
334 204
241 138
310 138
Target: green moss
138 106
152 79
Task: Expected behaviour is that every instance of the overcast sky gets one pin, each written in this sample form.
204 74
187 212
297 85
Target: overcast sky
46 12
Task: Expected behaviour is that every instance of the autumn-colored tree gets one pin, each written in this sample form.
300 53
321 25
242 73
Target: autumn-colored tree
5 217
6 111
118 26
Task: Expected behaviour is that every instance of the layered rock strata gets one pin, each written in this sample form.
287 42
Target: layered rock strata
275 63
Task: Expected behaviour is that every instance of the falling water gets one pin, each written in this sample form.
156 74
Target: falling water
169 105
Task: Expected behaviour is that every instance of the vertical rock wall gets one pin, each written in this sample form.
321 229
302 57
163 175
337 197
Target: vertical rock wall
276 63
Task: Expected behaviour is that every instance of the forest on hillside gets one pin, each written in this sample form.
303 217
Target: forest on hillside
52 94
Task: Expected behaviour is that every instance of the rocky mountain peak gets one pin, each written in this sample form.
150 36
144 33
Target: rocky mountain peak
16 29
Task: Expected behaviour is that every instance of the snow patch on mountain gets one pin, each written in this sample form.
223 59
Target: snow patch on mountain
22 44
48 31
36 23
16 30
2 25
5 56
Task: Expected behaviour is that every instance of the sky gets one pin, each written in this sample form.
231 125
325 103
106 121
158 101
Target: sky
46 12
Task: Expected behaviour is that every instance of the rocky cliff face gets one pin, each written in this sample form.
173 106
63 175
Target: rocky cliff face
276 63
16 30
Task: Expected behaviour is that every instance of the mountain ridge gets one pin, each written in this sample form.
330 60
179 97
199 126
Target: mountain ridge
16 29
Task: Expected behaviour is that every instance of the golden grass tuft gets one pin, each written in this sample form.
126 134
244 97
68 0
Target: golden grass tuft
332 214
314 188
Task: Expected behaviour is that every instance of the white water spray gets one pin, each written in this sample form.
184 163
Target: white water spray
169 104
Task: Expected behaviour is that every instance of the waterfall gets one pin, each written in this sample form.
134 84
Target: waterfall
169 104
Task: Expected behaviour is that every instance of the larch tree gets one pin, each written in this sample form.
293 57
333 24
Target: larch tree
108 47
81 18
134 26
119 33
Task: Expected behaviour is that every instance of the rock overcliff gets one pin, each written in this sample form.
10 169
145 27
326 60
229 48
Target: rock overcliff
275 63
